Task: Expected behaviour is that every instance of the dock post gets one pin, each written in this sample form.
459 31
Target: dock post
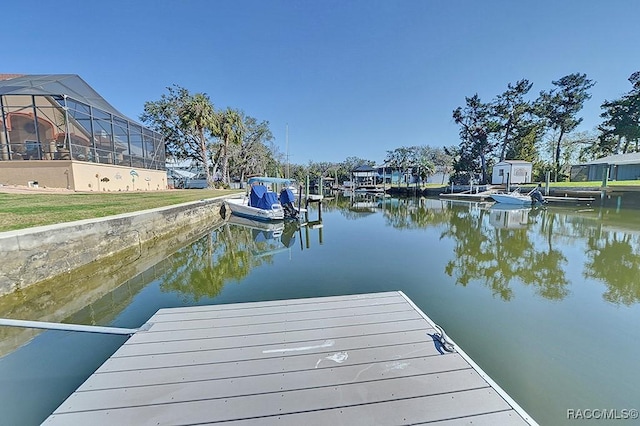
384 181
547 179
603 188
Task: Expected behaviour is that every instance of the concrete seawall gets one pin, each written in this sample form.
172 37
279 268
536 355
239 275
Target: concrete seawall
33 255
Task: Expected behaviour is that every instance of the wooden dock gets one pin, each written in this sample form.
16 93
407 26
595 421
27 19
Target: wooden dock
466 196
570 200
354 360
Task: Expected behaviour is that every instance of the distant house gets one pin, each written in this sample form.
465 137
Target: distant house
364 175
367 175
511 171
186 174
619 167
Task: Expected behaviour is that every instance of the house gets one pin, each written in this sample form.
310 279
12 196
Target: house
364 175
511 172
57 131
619 167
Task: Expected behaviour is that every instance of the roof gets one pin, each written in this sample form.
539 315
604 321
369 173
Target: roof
364 168
629 158
520 162
269 180
70 85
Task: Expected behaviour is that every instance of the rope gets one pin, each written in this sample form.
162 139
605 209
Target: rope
444 340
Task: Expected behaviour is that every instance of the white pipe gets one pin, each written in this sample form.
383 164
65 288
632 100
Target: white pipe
68 327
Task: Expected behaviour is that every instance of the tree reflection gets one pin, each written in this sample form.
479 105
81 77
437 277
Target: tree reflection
612 260
480 253
204 267
499 255
415 213
547 267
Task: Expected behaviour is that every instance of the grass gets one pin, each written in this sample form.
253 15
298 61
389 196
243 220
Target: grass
19 211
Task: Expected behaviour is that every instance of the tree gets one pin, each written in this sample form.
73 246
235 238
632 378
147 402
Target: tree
512 114
197 113
620 131
476 130
435 160
252 155
524 146
185 121
559 107
402 159
228 127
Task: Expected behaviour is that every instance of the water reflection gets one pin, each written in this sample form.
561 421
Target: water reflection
613 258
494 245
500 246
227 254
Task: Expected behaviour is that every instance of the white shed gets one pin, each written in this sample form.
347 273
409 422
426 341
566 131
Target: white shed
513 171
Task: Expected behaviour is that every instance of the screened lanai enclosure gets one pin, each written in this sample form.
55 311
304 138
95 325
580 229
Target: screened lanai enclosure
57 131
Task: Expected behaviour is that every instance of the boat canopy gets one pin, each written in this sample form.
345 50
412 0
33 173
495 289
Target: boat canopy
286 196
265 179
261 198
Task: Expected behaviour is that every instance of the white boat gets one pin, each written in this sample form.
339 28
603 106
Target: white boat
262 203
512 198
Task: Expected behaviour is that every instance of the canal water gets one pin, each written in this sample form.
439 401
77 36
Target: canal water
545 300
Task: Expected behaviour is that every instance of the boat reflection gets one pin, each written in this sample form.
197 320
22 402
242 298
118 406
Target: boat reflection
270 238
260 229
509 216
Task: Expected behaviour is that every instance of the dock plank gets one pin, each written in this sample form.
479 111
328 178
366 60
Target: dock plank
202 341
360 359
320 348
254 326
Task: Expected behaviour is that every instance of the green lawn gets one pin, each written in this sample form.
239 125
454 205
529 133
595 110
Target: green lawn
19 211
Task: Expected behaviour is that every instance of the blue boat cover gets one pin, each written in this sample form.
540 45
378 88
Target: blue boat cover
286 196
261 198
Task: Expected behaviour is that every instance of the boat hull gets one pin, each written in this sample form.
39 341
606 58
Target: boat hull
240 208
520 200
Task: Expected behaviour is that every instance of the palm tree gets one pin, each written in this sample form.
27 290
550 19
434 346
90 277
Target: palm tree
229 129
198 113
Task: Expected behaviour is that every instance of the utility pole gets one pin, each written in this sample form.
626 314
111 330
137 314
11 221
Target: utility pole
287 148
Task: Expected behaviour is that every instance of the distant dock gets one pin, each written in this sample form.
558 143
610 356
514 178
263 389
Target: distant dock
486 196
357 360
466 196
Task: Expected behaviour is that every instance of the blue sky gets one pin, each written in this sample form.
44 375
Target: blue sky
349 78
